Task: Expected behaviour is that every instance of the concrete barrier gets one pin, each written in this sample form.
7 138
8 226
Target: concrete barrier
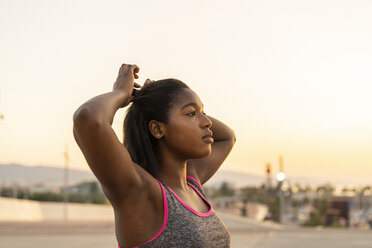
19 210
26 210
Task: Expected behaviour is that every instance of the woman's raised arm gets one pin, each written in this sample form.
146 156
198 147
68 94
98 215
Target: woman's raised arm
105 154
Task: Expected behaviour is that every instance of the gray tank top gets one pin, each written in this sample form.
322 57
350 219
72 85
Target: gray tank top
185 227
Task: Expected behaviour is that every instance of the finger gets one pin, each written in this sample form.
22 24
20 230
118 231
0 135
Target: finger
123 66
136 69
136 85
147 82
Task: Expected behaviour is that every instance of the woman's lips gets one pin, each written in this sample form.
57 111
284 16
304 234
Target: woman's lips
208 139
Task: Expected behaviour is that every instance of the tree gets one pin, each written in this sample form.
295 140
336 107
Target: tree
226 189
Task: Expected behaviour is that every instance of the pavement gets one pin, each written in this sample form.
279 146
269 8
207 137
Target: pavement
245 233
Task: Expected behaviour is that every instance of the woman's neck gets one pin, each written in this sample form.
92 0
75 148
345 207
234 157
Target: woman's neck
173 173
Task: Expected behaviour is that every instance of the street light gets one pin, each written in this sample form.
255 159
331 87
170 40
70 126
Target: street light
281 177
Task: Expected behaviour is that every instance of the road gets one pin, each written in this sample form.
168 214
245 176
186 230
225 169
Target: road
244 234
304 238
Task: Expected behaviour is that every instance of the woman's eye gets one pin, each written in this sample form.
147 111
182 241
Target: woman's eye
191 113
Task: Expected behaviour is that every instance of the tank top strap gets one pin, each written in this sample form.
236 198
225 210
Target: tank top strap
196 184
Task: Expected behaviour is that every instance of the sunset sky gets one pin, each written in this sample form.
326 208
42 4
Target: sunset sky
292 78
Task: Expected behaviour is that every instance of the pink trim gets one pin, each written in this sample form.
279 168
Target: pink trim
165 219
208 213
196 181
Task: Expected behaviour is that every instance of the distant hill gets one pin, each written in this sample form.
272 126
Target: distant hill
30 175
238 179
241 179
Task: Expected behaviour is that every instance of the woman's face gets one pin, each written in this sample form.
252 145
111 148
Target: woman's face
188 129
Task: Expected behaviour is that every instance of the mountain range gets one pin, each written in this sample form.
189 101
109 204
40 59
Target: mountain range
31 175
53 176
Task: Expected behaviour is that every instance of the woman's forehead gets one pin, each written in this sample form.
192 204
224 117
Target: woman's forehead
187 98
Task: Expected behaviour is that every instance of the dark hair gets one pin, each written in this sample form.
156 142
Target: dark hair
152 102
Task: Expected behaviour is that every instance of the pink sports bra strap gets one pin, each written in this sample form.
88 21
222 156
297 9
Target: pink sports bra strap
165 219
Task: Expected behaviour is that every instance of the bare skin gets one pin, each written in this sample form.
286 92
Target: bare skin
184 151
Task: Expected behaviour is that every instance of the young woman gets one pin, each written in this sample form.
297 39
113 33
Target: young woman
153 181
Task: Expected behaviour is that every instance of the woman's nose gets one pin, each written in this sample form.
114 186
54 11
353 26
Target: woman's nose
206 121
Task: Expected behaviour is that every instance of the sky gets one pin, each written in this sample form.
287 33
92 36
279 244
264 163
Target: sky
291 78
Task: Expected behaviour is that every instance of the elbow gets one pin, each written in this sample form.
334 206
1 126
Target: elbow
233 137
83 118
80 116
230 139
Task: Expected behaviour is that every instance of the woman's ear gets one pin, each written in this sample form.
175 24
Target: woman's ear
156 129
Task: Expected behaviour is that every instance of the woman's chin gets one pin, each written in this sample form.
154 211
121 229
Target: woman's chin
204 154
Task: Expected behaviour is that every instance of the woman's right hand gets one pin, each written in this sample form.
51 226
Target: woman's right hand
125 81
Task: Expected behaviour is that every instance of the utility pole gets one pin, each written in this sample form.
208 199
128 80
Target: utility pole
1 114
268 175
280 177
65 184
281 165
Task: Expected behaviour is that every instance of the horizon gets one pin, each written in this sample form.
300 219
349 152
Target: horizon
296 179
